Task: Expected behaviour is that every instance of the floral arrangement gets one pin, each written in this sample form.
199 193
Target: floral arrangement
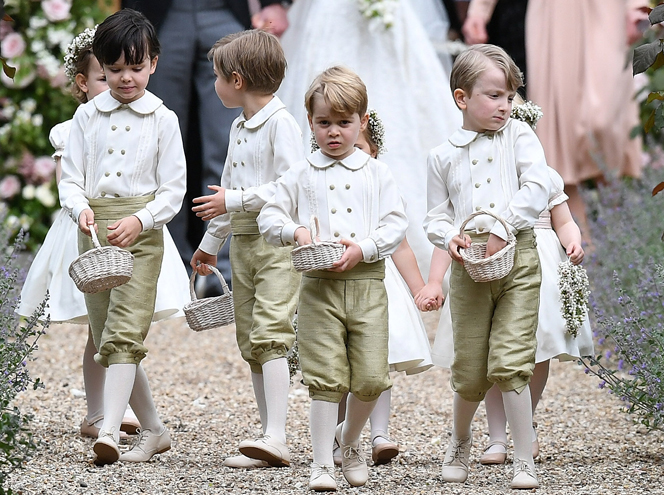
574 294
293 356
33 40
528 112
381 11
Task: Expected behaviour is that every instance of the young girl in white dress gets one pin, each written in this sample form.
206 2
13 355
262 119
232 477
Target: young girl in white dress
404 77
48 271
558 238
409 349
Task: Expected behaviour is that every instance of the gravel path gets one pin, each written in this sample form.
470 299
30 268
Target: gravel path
203 392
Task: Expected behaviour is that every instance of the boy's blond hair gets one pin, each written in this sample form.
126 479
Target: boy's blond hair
255 55
342 89
470 64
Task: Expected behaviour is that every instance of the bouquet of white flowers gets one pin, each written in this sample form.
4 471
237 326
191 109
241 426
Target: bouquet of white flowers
574 293
381 10
527 112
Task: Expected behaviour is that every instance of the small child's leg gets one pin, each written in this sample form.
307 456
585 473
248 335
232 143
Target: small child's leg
94 375
259 393
322 421
383 449
357 415
537 385
457 457
518 409
496 451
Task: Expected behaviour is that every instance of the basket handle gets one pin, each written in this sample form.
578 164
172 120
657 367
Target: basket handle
213 269
314 228
510 236
95 239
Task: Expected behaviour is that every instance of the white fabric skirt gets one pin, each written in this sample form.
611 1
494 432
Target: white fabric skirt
409 348
66 304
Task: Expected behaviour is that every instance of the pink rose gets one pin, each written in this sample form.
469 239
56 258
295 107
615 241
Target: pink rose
12 46
56 10
27 166
9 187
43 168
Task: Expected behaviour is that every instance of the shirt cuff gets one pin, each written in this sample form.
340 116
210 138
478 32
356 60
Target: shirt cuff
499 230
369 250
288 233
146 219
78 209
448 238
234 200
211 244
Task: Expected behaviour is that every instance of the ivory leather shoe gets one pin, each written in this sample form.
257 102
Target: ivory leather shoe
147 445
353 462
266 449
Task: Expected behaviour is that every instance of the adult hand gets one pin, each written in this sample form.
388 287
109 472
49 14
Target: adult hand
474 30
272 19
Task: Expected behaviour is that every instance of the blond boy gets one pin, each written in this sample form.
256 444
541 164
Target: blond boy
342 331
497 164
264 141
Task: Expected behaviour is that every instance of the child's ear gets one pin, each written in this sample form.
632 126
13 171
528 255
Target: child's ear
460 98
311 123
238 80
82 82
363 122
153 64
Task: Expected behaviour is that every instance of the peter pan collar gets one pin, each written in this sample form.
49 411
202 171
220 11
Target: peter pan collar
274 105
353 162
145 105
463 137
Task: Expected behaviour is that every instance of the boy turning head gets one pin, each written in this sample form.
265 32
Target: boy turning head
265 141
342 319
496 164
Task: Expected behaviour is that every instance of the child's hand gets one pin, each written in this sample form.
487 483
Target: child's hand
351 257
302 236
494 244
200 261
430 297
575 253
212 205
457 243
85 220
125 231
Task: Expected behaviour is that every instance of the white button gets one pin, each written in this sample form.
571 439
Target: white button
488 179
474 162
107 174
113 127
122 152
490 159
347 186
239 141
478 208
349 210
127 128
334 210
332 186
492 205
336 234
110 151
118 174
477 184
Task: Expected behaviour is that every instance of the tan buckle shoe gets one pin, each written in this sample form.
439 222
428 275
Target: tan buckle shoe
266 449
147 445
384 452
494 457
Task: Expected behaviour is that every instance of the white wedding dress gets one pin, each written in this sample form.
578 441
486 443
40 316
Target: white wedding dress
406 82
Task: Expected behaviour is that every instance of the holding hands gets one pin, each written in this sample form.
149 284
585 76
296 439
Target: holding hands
211 206
430 297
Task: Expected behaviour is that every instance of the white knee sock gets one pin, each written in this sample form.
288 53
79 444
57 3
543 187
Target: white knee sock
94 375
117 390
276 382
537 385
259 393
322 423
143 404
380 417
518 409
496 419
463 417
357 415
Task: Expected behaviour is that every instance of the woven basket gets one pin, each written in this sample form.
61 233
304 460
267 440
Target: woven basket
101 268
319 255
209 312
496 266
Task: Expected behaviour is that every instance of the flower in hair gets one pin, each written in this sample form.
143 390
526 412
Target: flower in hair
377 131
528 112
82 42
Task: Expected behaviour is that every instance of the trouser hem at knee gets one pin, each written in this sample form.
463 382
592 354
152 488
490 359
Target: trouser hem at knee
469 394
325 395
517 384
271 354
119 358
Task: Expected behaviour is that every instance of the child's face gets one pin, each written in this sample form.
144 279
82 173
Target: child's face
227 89
128 82
93 81
336 134
489 104
364 145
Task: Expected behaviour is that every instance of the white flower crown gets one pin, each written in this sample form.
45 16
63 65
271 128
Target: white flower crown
82 42
376 131
528 112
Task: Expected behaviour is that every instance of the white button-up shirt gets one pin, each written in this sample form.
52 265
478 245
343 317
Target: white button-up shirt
355 198
118 150
260 151
503 172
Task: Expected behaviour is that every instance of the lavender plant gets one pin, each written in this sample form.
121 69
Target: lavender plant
18 343
627 298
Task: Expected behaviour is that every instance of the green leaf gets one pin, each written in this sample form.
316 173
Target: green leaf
656 15
8 70
645 55
650 122
654 96
659 61
659 117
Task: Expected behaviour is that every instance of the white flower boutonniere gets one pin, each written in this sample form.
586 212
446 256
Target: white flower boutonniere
574 293
379 10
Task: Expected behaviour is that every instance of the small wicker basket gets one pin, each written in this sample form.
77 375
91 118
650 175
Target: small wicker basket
101 268
496 266
209 312
319 255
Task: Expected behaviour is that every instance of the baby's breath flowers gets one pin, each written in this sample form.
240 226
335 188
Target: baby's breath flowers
528 112
574 293
82 42
381 10
377 131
